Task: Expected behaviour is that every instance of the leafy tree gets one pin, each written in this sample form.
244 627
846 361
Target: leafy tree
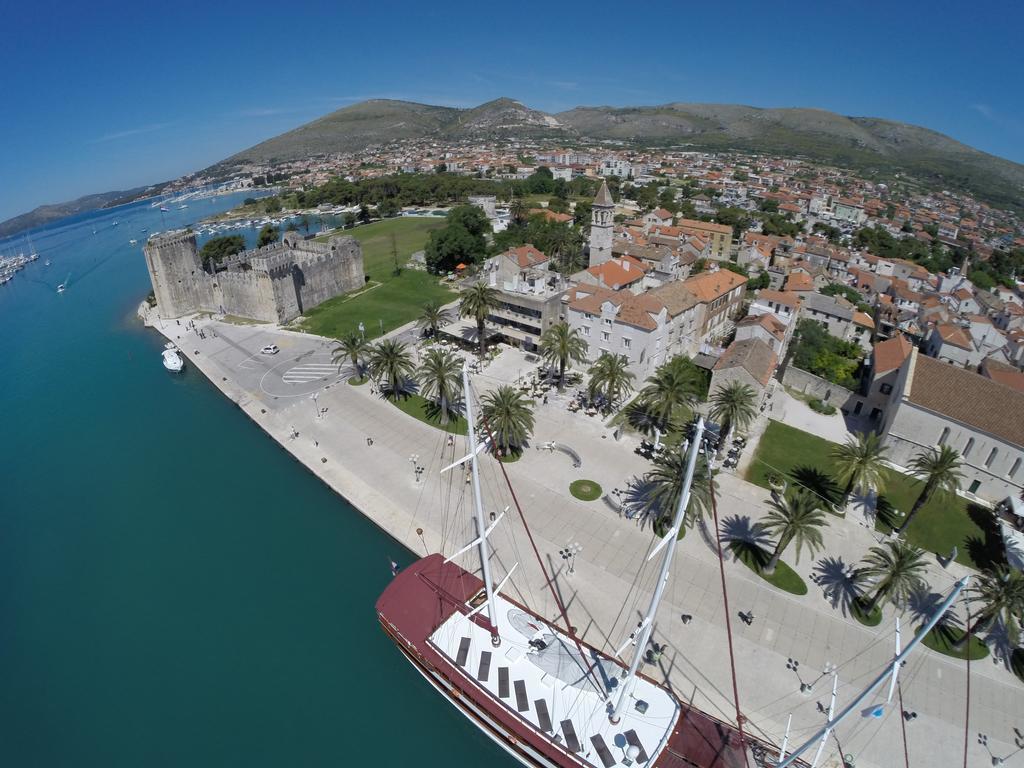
391 365
895 570
939 469
794 518
561 344
610 378
272 204
433 317
268 235
387 208
352 346
675 385
848 293
813 349
664 487
997 594
757 283
517 211
736 218
508 416
540 182
439 377
460 241
581 215
349 220
860 462
734 405
364 214
478 302
217 249
470 218
768 205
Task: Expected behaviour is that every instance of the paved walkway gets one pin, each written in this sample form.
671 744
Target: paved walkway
611 585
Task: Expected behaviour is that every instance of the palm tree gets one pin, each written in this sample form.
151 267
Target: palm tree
794 518
860 463
559 344
477 302
517 211
508 417
610 377
673 385
733 406
352 346
999 593
665 484
939 468
895 570
392 366
439 376
433 317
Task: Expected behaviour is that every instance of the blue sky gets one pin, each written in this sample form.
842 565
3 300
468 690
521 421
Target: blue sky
110 95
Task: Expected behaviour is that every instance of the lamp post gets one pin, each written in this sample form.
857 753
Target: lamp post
316 405
568 553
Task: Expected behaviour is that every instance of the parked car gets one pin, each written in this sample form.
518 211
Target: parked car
270 349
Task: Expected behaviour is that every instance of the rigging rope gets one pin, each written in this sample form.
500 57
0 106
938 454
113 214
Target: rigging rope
967 706
903 726
728 618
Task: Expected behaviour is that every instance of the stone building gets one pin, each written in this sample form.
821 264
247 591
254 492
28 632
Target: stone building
275 284
602 226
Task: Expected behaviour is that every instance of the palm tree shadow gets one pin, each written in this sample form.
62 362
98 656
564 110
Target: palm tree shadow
818 483
747 540
433 411
837 582
989 551
638 503
886 513
999 642
922 605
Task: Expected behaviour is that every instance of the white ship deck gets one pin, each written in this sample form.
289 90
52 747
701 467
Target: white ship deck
551 691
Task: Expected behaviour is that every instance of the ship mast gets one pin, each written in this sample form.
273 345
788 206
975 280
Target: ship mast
481 528
642 634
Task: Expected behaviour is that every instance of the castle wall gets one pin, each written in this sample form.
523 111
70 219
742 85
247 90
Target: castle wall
276 283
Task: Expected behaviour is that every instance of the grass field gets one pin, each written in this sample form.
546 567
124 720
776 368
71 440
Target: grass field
802 458
427 412
389 300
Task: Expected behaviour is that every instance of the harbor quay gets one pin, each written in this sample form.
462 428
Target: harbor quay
388 465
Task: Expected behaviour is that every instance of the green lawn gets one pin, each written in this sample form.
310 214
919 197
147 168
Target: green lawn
803 459
585 490
426 411
944 641
858 611
756 558
388 301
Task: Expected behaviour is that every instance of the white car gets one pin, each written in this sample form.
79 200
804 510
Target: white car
270 349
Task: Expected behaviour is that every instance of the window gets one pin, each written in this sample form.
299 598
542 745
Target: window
970 444
974 486
626 343
1015 467
991 457
605 336
945 436
608 322
585 329
885 389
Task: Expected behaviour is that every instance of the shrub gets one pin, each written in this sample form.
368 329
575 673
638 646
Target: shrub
822 407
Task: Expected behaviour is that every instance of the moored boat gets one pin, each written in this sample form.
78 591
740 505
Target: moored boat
172 360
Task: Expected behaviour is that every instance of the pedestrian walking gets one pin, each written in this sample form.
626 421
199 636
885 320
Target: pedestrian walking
369 441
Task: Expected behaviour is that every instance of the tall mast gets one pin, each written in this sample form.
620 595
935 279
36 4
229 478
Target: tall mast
478 509
669 540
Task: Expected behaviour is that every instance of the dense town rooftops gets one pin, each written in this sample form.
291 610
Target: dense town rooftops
967 397
708 286
954 334
753 355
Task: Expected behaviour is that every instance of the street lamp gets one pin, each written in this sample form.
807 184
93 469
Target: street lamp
569 552
316 406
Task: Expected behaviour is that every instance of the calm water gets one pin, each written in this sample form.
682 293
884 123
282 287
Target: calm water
174 589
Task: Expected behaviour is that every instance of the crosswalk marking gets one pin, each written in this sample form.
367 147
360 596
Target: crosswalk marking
303 374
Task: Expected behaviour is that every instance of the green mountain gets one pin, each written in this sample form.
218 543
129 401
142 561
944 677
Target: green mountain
874 145
44 214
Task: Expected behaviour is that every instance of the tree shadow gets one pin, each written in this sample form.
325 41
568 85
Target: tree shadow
818 483
638 502
886 513
986 552
922 605
737 529
433 411
838 583
999 642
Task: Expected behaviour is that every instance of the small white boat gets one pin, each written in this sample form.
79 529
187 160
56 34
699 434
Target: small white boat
173 361
60 288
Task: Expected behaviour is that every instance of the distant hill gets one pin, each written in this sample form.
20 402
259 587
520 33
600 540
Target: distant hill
47 213
862 143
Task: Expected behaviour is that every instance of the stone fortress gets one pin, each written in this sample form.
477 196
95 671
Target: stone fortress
275 284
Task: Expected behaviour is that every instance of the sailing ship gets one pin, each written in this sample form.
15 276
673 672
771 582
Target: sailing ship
544 695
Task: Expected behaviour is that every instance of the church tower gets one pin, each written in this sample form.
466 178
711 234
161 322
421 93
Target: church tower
602 224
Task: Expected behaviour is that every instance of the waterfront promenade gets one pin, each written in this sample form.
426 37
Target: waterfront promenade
329 434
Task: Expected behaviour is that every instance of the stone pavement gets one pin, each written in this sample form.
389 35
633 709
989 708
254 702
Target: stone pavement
612 583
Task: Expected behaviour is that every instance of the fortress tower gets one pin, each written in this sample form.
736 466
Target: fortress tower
602 224
176 272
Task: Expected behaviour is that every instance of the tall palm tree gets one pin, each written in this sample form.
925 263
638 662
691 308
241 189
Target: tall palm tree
433 317
611 378
439 377
665 484
798 519
673 385
352 346
733 405
860 463
477 302
939 468
895 570
560 344
391 365
508 416
517 211
999 595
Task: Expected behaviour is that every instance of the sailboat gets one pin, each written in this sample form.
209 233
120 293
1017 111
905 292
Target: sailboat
544 695
63 286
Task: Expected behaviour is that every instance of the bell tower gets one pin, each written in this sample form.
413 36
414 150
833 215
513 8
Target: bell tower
602 224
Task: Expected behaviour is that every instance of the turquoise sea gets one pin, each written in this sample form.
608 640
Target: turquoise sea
175 590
